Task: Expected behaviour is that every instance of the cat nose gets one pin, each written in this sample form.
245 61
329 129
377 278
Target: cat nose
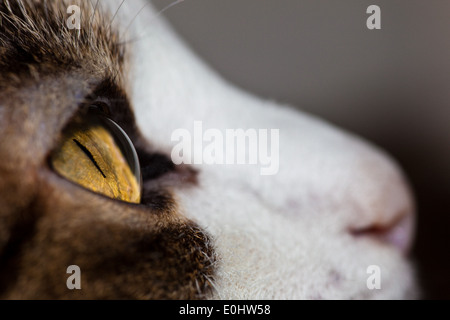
398 232
386 210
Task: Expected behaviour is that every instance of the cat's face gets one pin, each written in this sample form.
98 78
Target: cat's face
335 208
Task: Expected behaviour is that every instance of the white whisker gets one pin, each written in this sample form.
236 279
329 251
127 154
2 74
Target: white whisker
161 12
93 14
134 18
115 14
168 7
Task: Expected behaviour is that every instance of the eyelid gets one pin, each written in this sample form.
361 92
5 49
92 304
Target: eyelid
102 106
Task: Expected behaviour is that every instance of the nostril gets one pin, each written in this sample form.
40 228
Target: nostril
398 233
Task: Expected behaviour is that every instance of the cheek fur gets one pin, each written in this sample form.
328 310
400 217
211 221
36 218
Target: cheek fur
124 252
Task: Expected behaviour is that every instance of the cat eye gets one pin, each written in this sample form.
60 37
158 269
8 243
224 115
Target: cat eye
95 153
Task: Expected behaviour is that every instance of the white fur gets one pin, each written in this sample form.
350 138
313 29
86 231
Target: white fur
277 237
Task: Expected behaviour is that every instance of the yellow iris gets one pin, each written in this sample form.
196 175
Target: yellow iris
90 156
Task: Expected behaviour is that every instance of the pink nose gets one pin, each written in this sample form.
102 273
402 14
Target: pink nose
385 210
398 232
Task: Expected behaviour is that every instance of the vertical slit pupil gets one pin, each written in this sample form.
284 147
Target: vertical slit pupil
89 155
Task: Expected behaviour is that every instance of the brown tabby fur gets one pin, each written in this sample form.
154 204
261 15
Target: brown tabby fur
146 251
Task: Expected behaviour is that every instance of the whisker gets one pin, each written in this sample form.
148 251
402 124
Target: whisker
137 14
115 14
93 16
168 7
152 20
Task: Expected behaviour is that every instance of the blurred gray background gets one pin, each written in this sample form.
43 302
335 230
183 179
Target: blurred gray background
391 86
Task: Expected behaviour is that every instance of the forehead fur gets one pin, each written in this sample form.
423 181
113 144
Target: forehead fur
35 39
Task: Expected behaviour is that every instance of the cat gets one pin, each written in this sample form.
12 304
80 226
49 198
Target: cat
337 208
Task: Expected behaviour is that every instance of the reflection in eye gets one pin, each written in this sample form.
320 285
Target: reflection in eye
98 155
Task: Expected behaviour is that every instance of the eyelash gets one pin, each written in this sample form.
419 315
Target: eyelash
102 107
